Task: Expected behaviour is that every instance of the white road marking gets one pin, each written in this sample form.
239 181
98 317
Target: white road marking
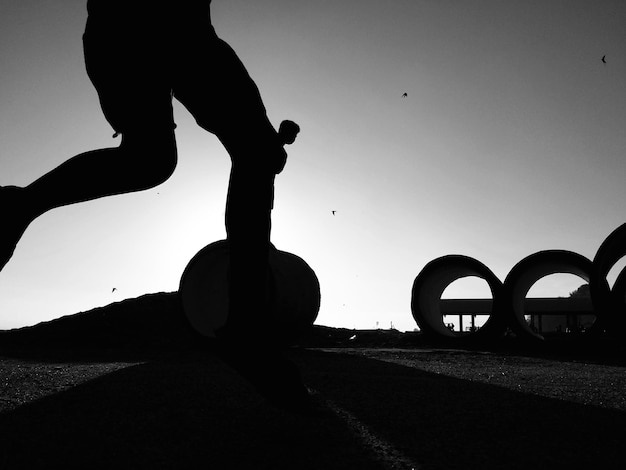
385 452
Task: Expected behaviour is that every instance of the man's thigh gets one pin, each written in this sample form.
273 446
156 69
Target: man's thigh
131 73
214 85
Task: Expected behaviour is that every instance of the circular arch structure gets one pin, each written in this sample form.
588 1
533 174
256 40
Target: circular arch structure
619 288
527 272
611 303
617 318
293 292
433 280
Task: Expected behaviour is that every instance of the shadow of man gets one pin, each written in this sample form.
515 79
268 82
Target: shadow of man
139 55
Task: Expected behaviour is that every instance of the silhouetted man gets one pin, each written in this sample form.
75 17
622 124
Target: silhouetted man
139 54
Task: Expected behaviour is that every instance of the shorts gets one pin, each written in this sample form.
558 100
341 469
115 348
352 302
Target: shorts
130 70
138 59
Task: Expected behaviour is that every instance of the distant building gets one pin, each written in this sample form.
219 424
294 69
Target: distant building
565 323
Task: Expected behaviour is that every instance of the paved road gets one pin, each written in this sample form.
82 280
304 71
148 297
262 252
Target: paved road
193 412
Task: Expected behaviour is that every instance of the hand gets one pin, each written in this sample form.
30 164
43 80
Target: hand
287 133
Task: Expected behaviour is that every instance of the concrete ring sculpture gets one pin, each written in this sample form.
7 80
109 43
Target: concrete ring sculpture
433 280
528 271
617 310
611 303
294 292
618 292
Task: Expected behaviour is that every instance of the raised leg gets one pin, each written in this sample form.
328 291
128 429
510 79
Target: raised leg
140 162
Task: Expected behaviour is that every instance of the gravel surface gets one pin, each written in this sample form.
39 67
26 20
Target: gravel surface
384 408
188 411
589 384
24 381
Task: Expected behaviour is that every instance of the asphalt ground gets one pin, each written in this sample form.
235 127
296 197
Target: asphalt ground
192 411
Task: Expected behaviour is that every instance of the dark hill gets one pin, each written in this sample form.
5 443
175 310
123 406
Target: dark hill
154 325
149 324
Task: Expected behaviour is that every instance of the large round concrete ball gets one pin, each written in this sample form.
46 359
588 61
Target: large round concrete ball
429 286
293 292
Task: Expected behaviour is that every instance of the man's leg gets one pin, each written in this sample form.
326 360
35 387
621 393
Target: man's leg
129 62
215 87
142 161
248 225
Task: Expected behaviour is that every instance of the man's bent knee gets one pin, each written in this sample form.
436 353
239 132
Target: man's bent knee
154 156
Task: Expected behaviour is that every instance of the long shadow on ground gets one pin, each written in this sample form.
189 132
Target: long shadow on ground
188 412
447 423
191 411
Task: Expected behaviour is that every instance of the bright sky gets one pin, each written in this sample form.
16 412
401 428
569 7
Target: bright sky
511 140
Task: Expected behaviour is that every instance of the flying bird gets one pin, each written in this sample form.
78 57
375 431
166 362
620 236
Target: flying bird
113 290
405 95
604 59
333 212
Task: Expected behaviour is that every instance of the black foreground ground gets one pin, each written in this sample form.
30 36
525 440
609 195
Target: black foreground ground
379 407
191 411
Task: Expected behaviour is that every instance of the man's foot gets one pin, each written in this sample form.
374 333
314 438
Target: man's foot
13 221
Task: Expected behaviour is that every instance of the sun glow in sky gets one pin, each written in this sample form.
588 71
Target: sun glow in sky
510 140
